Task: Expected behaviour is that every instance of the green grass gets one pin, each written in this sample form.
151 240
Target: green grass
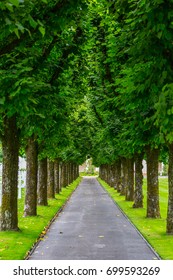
154 230
88 174
15 245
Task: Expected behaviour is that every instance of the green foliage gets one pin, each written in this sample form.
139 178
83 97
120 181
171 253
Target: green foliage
164 113
36 66
129 63
88 77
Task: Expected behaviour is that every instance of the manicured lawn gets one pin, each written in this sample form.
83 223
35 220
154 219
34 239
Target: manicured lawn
154 230
15 245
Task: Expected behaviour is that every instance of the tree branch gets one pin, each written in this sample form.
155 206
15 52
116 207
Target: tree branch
97 115
12 44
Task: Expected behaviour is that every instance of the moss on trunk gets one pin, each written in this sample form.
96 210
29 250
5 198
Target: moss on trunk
30 208
65 174
50 179
169 226
112 175
124 177
10 146
70 173
138 196
153 208
62 177
42 182
118 180
130 180
56 176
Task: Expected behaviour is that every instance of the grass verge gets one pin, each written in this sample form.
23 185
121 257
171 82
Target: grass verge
154 230
15 245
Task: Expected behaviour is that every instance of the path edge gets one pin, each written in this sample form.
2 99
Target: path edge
31 251
124 214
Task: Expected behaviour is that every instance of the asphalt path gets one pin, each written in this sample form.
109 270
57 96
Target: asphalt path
92 227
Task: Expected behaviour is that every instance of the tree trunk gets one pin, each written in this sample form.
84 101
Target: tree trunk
74 170
70 173
153 208
30 208
77 171
56 175
50 179
42 182
10 146
114 174
118 175
111 175
124 177
77 168
138 197
107 173
65 174
104 172
169 226
62 175
130 180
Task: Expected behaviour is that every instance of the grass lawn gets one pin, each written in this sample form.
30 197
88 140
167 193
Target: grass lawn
154 230
15 245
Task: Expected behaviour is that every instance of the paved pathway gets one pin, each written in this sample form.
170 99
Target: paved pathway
91 227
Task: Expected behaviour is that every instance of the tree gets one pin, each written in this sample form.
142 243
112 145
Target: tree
42 182
9 219
138 196
22 56
31 178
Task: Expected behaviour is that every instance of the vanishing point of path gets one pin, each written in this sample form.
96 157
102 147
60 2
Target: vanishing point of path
91 227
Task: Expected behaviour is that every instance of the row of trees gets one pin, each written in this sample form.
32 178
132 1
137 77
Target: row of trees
130 96
88 77
39 91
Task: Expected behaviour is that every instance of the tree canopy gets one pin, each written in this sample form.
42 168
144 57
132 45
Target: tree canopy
87 77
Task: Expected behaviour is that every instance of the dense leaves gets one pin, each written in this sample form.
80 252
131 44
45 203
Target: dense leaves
88 78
